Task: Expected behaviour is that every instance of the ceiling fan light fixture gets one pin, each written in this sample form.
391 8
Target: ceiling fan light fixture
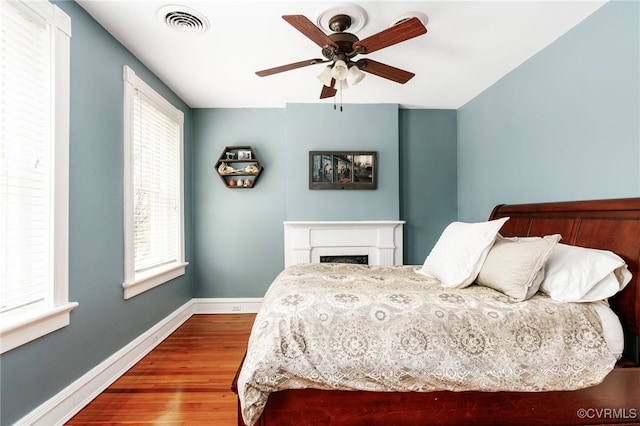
341 47
339 70
325 76
354 75
341 84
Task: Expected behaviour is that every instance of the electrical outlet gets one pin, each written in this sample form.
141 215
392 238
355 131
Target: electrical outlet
235 308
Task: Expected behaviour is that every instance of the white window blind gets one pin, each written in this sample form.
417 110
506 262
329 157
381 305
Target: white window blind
154 224
156 179
34 161
25 170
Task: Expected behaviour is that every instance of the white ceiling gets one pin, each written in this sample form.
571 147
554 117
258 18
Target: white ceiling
469 46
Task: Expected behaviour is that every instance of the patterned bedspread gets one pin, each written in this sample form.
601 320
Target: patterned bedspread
358 327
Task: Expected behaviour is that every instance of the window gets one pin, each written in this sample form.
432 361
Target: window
34 171
154 223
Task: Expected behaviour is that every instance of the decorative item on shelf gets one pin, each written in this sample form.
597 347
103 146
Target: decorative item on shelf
252 168
239 167
244 155
226 169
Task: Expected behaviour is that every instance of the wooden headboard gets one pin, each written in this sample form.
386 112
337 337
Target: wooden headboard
603 224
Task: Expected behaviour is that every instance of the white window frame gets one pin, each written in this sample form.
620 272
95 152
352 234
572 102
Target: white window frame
27 324
138 282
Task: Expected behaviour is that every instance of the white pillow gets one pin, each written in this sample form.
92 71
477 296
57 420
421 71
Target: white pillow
515 266
611 328
460 251
580 274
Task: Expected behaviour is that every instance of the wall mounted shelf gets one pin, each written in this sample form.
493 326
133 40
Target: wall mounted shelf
239 167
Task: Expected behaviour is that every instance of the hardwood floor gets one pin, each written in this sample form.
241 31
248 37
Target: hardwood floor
185 380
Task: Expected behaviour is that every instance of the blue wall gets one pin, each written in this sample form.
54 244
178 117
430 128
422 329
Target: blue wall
318 127
103 322
563 126
237 228
238 243
428 178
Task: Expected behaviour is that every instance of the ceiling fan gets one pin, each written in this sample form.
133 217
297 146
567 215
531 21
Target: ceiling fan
341 47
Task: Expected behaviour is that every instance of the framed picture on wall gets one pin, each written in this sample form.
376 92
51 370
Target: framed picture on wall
244 155
343 169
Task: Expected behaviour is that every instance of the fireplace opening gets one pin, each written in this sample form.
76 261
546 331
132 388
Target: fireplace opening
358 259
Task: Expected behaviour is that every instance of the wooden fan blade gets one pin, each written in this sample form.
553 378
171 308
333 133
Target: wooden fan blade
385 71
393 35
309 29
290 67
328 92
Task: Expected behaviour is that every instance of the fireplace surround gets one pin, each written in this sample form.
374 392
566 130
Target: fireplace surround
307 241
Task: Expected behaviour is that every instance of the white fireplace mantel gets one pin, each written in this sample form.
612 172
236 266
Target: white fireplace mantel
381 240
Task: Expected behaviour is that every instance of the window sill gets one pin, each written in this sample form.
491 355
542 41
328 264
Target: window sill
31 327
154 278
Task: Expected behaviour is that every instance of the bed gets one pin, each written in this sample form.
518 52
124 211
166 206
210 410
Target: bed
601 390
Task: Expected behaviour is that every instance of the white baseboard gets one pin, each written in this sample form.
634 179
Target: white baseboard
68 402
227 306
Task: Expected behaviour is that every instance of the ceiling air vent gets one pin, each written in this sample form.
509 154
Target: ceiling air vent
183 19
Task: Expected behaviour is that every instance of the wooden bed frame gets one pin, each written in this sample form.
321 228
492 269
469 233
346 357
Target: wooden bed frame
605 224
